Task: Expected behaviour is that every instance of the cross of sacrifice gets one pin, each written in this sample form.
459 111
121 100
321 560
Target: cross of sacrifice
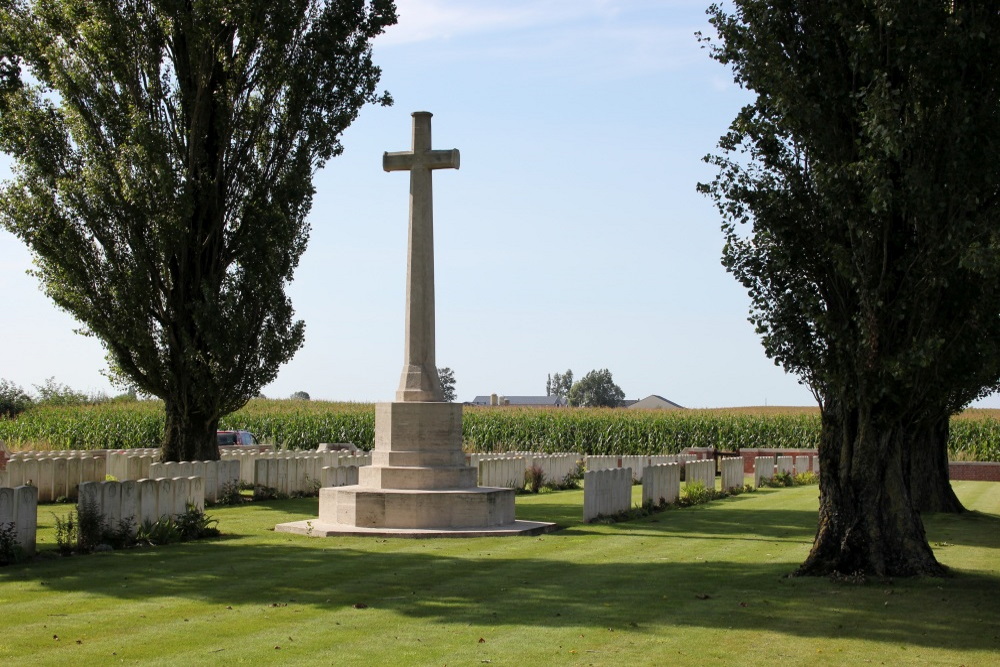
419 381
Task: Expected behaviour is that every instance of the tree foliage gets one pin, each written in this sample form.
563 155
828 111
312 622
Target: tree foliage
446 377
859 193
13 400
164 153
596 389
559 384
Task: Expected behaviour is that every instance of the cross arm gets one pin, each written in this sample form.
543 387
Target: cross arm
407 160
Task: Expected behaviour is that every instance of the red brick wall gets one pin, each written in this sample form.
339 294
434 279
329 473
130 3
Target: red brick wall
750 454
957 470
975 471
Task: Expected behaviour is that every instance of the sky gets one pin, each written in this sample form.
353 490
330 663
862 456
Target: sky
572 236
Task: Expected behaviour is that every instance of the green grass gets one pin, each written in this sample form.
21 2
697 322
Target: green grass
703 585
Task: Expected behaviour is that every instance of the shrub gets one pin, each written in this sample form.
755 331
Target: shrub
534 478
230 494
13 400
10 549
156 533
806 478
261 492
195 524
697 493
85 530
570 481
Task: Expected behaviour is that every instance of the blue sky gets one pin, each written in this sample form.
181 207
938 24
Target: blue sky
572 237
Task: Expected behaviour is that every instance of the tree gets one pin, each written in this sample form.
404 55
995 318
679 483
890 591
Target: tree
164 158
300 396
864 169
559 384
13 400
55 393
446 377
597 389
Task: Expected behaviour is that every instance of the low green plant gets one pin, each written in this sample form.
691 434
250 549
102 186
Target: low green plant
157 533
261 492
779 480
90 526
85 530
66 532
194 524
697 493
230 494
534 478
782 480
10 548
806 478
570 481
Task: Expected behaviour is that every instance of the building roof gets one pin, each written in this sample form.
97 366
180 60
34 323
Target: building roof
655 401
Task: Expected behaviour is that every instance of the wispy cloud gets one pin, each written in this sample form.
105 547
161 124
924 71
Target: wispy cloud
426 20
631 36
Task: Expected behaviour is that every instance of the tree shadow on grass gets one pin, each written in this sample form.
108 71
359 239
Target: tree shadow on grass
973 529
640 588
479 589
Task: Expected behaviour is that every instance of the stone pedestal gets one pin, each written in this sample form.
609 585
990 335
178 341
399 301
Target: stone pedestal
418 484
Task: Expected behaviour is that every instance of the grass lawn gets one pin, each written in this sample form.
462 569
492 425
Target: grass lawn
697 586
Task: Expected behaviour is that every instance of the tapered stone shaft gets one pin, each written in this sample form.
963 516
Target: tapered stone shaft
419 381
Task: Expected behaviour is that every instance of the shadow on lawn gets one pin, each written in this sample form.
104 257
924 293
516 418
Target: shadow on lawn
534 592
971 529
466 584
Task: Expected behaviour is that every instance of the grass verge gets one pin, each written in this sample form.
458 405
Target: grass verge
701 585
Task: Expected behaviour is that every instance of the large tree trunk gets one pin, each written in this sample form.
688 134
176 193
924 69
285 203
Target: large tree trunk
930 486
867 522
189 434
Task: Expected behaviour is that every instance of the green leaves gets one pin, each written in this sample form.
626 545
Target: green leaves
867 202
164 158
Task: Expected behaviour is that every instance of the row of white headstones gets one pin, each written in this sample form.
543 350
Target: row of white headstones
288 472
165 489
59 476
609 492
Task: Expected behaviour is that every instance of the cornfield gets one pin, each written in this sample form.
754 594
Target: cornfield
290 424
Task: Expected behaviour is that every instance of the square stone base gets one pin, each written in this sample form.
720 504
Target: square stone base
418 485
366 507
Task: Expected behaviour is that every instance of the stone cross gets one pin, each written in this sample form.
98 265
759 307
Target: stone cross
419 381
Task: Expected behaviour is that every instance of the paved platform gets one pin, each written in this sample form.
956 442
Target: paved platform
315 528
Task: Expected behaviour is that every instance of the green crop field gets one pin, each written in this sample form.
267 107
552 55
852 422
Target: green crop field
975 434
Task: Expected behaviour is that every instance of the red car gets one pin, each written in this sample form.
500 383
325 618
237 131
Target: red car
236 438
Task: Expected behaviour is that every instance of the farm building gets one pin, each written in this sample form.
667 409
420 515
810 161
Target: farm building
530 401
655 402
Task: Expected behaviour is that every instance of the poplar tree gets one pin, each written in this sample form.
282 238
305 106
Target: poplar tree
860 195
164 153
